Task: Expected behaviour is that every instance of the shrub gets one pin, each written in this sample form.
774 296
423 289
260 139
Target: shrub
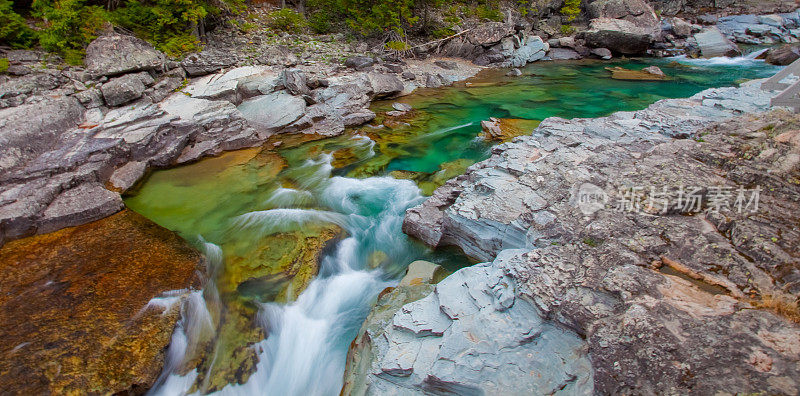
3 65
488 12
287 20
171 25
380 16
571 9
13 30
325 16
567 30
69 25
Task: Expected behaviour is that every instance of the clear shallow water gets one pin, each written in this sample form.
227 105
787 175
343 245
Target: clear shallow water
303 238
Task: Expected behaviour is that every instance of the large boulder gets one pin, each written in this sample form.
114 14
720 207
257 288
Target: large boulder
207 62
619 35
783 55
531 50
623 26
636 11
126 88
118 54
489 33
384 85
713 44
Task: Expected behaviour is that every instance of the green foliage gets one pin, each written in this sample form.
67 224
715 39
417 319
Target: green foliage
171 25
571 9
442 33
3 65
287 20
13 30
69 25
567 30
489 13
379 16
525 8
397 46
325 16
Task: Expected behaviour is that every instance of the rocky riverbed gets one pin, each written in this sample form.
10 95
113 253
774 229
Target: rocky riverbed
641 289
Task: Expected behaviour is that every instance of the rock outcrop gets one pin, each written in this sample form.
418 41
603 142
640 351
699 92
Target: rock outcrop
118 54
623 26
74 313
472 335
713 44
670 294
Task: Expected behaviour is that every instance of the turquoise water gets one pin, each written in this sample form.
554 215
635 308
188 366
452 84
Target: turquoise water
303 238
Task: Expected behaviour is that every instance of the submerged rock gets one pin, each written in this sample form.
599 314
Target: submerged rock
74 312
652 73
505 129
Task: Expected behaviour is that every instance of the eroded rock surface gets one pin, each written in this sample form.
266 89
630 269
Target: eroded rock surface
73 307
669 294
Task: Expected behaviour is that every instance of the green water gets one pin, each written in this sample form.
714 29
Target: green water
310 216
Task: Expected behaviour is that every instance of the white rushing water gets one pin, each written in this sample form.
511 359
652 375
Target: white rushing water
305 350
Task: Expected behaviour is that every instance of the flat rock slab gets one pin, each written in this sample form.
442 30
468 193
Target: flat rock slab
273 111
80 205
71 307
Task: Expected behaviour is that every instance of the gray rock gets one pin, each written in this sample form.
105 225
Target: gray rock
595 272
514 73
359 62
118 54
404 107
681 28
619 35
29 130
602 53
447 65
432 81
80 205
489 33
713 43
127 175
783 55
472 335
295 82
409 76
384 85
563 54
207 62
273 111
532 49
278 55
124 89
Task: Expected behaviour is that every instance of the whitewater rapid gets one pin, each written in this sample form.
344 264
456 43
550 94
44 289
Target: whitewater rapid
305 350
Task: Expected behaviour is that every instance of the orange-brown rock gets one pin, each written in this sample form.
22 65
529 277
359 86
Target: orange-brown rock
72 315
652 73
505 129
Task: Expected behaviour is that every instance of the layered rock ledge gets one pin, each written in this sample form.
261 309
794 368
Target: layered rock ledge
668 293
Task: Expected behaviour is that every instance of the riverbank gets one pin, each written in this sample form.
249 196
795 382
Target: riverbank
575 234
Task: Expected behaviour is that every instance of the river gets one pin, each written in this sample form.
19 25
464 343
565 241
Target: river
301 238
